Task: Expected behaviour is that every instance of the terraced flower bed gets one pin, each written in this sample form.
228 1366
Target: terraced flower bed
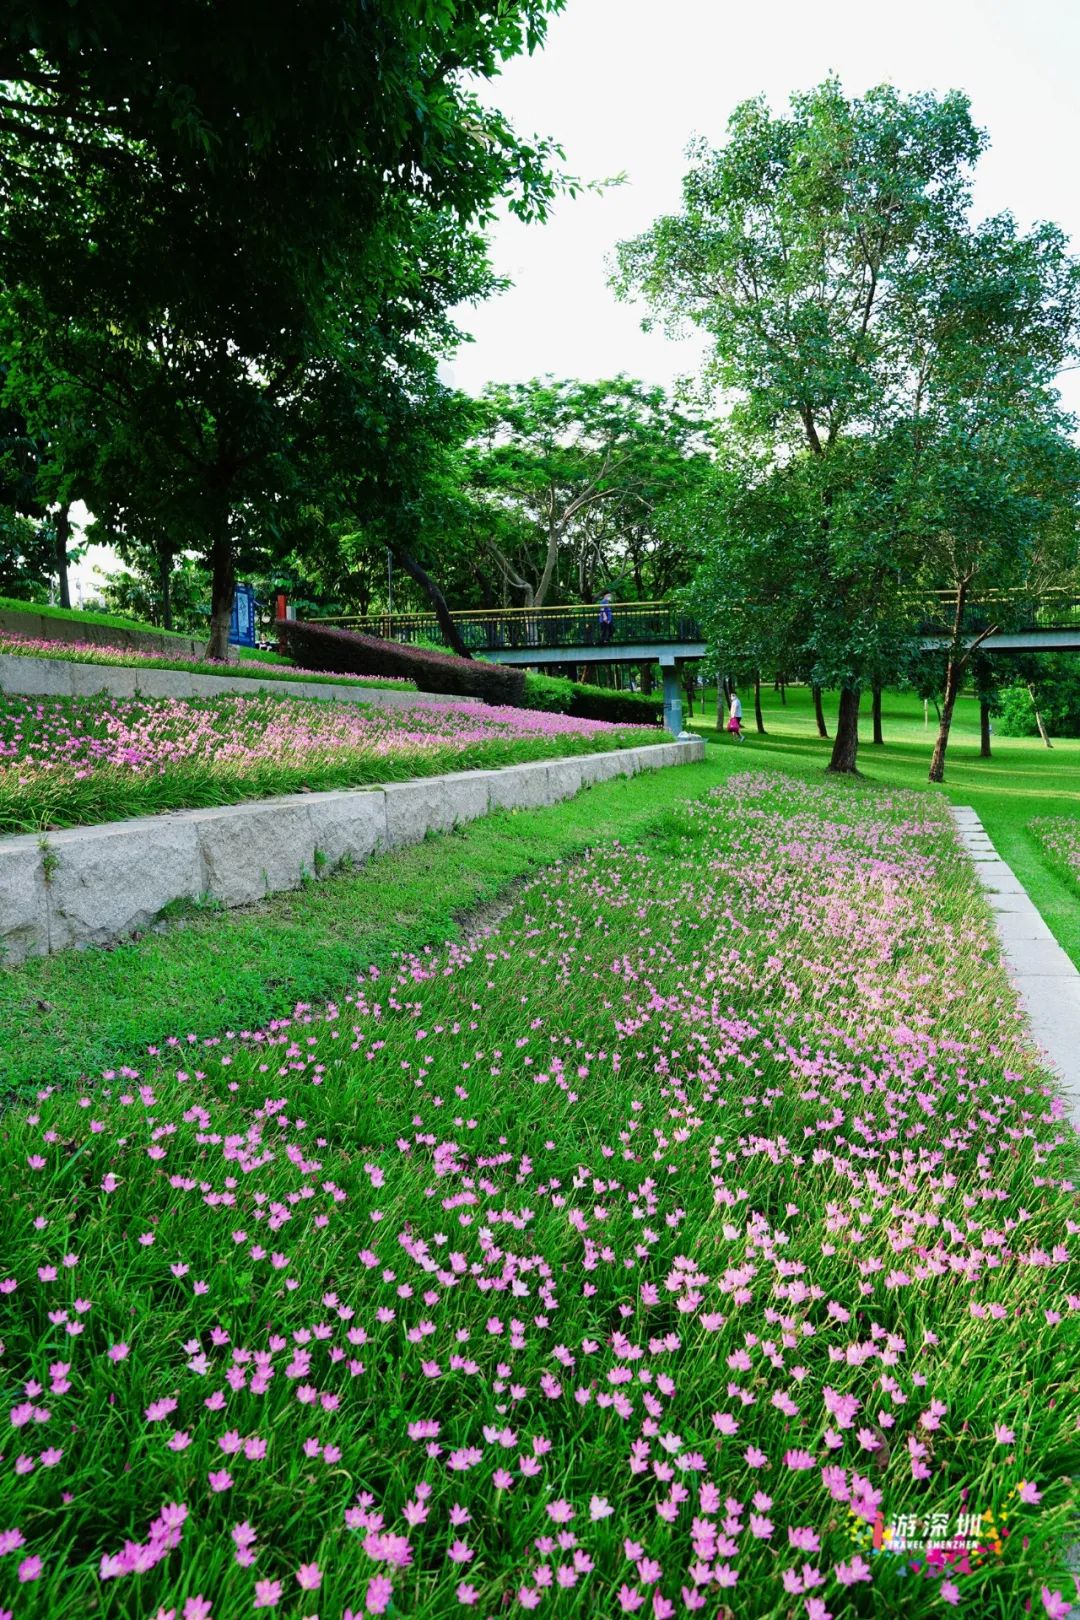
696 1240
72 761
263 669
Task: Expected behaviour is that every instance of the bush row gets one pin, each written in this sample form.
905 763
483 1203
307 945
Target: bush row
318 646
586 702
347 652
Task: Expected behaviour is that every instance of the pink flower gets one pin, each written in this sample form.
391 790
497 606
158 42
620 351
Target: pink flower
1003 1436
459 1553
466 1594
221 1480
309 1579
857 1570
1029 1492
600 1508
197 1608
31 1569
630 1599
267 1594
949 1592
1055 1605
380 1589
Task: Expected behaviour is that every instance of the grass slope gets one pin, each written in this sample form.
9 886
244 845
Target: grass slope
80 1012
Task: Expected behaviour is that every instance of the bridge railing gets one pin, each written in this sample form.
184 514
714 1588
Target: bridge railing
1049 609
506 629
664 623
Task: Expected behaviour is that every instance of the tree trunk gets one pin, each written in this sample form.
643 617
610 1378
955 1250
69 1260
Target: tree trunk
435 597
819 713
222 591
62 534
782 683
876 711
646 680
688 688
846 746
984 729
1039 718
952 687
165 575
759 719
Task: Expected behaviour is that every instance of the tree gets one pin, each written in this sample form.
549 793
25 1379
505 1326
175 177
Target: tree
999 496
828 256
571 476
199 201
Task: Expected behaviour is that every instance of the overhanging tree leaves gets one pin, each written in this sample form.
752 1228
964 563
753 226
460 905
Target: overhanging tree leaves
196 199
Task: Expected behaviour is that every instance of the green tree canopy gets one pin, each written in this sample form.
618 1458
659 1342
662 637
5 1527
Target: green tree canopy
207 210
570 477
855 316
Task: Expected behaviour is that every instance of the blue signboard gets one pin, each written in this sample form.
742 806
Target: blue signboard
242 624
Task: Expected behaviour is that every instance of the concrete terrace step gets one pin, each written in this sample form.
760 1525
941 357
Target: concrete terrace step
96 885
65 677
1046 980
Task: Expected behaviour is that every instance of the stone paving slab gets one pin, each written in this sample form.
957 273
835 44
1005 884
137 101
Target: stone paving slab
1046 980
95 885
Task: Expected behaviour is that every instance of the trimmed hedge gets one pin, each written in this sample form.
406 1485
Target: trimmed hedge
586 702
321 647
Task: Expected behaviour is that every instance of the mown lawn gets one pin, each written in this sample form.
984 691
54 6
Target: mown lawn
680 1243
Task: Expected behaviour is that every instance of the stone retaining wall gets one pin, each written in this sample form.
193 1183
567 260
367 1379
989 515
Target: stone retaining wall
95 885
62 677
42 626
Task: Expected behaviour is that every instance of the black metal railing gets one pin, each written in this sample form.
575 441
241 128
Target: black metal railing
514 629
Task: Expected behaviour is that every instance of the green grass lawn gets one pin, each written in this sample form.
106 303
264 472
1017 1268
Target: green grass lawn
1021 781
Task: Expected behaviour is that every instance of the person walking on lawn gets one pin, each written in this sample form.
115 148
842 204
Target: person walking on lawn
734 724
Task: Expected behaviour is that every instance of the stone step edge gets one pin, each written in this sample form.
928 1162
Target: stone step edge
97 885
66 677
1045 978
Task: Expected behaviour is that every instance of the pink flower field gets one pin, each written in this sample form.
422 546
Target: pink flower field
1060 838
699 1240
70 760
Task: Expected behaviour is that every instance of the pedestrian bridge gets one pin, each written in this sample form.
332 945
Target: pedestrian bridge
664 633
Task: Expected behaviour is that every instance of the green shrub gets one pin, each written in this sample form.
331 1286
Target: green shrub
1057 693
1017 716
552 692
585 702
317 646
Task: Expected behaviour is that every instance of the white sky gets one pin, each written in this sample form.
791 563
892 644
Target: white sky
624 84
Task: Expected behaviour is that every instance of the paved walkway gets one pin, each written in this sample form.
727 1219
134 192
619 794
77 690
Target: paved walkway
1047 982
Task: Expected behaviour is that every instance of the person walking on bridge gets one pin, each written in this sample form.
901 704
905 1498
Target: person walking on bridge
607 620
734 724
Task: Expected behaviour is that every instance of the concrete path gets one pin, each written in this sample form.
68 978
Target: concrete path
1046 981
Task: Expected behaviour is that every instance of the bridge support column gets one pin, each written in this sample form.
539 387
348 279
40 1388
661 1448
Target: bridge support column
672 698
